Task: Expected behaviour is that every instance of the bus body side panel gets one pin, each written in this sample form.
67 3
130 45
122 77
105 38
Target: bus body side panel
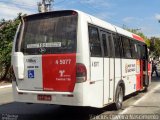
93 87
96 89
129 75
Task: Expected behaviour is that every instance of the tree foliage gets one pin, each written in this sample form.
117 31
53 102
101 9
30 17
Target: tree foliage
7 32
155 46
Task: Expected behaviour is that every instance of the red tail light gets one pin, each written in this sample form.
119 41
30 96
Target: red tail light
81 73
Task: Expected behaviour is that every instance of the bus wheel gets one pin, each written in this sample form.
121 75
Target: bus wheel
119 98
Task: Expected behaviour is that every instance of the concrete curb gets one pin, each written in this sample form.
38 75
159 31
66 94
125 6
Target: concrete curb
6 86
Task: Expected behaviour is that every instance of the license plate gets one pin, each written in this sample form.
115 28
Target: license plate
44 97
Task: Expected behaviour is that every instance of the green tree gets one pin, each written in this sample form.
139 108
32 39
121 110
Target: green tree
7 33
155 46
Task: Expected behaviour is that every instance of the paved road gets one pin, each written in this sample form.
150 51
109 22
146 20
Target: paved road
6 95
142 104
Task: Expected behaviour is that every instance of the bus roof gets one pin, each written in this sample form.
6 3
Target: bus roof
101 23
112 27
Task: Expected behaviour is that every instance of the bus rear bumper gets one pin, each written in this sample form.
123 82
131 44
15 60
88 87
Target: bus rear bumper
58 98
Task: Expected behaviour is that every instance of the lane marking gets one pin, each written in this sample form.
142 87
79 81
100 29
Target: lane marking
6 86
139 100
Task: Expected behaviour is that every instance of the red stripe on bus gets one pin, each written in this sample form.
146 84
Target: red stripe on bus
59 72
138 75
141 73
137 38
138 82
149 70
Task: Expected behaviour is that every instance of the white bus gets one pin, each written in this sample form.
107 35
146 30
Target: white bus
71 58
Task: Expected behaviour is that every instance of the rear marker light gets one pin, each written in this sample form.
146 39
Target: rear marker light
20 93
68 95
81 73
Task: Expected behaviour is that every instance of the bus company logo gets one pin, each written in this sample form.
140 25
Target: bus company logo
32 60
130 68
42 50
61 72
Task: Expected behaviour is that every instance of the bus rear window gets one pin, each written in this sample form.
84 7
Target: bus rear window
49 34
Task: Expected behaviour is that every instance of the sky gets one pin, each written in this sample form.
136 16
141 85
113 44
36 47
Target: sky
135 14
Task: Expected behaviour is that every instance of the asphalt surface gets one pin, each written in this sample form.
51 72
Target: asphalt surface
141 103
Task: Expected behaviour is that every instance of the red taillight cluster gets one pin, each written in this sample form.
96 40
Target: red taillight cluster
81 73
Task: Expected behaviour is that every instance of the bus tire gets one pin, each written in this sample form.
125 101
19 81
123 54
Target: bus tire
119 97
